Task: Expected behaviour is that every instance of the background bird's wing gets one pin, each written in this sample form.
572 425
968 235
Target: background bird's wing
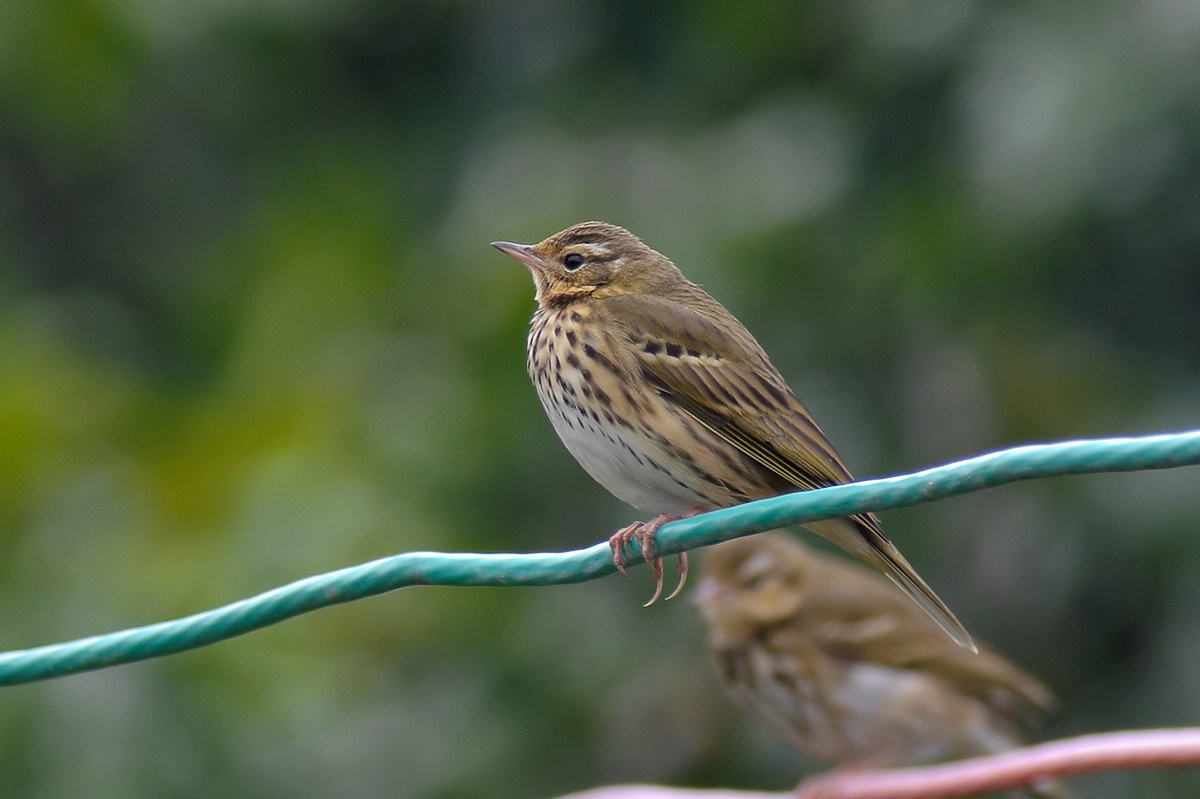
870 622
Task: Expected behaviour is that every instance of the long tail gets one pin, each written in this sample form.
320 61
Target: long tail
862 537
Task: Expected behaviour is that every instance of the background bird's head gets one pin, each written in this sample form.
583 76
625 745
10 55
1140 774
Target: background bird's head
753 582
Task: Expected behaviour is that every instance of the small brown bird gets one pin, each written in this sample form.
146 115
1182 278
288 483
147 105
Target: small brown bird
669 402
830 658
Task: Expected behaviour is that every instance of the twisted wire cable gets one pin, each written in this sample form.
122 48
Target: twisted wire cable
1164 451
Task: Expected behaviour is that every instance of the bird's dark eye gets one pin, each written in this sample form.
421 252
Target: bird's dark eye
573 261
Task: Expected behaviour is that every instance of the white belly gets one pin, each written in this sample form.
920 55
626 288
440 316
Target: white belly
624 461
644 450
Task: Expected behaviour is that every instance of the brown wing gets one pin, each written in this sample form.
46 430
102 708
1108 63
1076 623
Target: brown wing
871 622
716 372
708 365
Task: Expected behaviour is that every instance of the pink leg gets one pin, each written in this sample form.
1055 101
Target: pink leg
643 533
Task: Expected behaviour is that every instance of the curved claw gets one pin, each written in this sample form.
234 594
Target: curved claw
646 538
656 566
643 533
683 573
617 545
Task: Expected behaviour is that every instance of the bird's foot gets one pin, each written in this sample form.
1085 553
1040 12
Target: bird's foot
643 533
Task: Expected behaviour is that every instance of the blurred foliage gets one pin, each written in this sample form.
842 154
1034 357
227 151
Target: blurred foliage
251 330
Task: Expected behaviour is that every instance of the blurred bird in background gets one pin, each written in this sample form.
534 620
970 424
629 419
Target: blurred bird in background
831 658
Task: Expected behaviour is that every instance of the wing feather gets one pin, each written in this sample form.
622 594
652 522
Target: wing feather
723 379
702 360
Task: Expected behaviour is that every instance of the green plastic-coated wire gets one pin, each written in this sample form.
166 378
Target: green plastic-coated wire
431 568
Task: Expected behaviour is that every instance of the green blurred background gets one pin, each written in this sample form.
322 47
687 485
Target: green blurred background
251 330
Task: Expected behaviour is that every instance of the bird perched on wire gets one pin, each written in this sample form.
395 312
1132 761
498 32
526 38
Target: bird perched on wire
669 403
830 658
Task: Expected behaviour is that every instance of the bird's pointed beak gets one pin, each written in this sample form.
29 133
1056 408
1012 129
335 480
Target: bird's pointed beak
523 253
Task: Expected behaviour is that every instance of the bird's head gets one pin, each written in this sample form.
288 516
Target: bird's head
593 259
